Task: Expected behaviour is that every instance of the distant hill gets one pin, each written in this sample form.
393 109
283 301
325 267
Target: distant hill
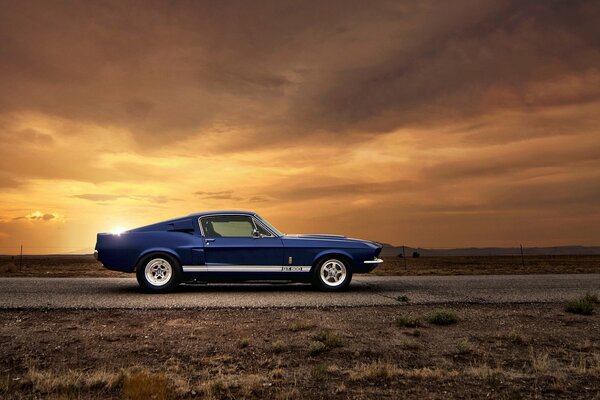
393 251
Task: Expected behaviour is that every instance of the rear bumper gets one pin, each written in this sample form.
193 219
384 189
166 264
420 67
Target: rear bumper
96 254
374 261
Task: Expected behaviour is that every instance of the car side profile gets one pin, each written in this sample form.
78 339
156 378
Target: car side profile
233 246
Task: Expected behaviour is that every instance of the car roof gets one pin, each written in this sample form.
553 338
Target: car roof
206 213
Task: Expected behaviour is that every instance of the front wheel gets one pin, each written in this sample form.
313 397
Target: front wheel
332 275
158 273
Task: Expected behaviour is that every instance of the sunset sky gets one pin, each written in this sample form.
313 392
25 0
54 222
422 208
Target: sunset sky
426 123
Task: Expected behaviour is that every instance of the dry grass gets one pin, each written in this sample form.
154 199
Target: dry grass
330 338
72 381
233 386
385 371
144 385
301 325
463 346
278 346
315 348
322 369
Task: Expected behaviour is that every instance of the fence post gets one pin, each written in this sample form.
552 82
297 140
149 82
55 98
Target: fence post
522 258
21 260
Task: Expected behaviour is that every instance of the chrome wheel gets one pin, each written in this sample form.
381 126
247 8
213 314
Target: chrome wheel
158 272
333 273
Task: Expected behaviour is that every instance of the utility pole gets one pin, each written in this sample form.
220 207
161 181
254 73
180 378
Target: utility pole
21 260
404 256
522 258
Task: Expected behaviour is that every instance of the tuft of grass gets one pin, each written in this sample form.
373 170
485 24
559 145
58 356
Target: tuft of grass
278 346
375 371
316 348
443 317
217 387
320 371
146 385
583 305
407 322
464 346
403 298
243 343
277 373
592 298
72 381
301 325
329 338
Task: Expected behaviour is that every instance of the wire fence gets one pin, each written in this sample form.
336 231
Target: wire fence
24 250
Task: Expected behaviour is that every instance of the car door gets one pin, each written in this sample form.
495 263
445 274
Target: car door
234 243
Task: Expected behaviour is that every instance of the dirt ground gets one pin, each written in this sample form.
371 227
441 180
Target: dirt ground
85 265
500 351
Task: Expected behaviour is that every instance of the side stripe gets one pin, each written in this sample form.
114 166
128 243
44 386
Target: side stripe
246 268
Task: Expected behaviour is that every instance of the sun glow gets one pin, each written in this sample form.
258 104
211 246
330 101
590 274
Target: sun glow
118 230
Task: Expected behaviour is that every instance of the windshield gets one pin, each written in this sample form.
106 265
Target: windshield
271 227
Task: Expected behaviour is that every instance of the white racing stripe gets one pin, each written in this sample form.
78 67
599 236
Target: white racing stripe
246 268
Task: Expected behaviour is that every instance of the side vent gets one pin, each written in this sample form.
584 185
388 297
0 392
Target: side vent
184 225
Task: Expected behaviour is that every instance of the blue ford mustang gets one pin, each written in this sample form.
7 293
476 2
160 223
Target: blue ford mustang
230 246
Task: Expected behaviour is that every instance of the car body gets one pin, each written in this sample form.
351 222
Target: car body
232 246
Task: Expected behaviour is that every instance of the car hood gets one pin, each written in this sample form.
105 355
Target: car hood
332 238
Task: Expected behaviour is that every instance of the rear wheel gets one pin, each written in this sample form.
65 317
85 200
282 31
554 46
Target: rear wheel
158 273
332 274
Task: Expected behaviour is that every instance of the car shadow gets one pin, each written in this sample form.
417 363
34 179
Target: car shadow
240 288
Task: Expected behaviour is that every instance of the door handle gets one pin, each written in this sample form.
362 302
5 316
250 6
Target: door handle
209 240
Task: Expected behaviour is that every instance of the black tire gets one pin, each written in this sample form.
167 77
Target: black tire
326 267
158 265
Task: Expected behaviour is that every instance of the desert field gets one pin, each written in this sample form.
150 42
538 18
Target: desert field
518 351
510 350
87 266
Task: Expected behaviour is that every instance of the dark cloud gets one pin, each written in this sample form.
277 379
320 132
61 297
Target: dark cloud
38 216
105 197
98 196
166 71
220 195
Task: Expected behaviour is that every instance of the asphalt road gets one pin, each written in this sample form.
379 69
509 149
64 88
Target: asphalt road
365 290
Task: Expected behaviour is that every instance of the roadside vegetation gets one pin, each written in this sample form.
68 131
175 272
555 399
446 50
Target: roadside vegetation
583 305
495 351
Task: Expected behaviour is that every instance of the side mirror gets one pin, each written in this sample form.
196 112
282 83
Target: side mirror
256 234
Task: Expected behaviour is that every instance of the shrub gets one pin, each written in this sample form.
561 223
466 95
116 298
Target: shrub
278 346
592 298
243 343
442 317
329 338
403 298
464 346
320 371
582 306
316 347
301 325
407 322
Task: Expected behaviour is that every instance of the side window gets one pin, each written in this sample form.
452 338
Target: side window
227 226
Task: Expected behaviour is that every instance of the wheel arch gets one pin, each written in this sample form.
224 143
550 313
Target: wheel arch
331 253
156 250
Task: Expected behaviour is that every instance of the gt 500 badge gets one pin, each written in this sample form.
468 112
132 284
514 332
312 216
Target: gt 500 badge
291 268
